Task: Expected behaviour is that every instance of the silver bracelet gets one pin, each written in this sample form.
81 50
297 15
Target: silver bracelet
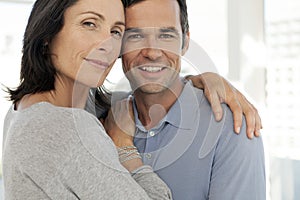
128 153
132 156
126 148
120 152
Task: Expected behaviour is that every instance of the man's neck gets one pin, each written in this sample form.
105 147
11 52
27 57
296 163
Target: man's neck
152 108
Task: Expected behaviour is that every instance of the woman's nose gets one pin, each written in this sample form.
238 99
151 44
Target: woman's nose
106 45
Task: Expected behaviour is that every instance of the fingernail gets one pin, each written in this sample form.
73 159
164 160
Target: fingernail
251 135
218 116
238 129
257 133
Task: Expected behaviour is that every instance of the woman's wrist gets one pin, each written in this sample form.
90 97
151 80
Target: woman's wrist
121 142
129 157
128 153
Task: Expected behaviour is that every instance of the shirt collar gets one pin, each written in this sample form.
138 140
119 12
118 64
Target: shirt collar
186 107
181 112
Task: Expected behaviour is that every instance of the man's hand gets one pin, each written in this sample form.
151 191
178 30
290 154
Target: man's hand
218 90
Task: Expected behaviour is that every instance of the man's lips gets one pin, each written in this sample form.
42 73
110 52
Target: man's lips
97 63
152 68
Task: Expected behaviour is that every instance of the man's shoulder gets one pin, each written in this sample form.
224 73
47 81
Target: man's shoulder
229 139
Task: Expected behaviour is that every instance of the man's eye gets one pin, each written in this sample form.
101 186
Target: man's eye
134 37
166 36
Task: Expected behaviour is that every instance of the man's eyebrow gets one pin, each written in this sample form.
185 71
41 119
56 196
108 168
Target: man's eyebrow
169 29
161 30
134 30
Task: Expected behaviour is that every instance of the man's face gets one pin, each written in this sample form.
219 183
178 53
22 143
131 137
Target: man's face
152 45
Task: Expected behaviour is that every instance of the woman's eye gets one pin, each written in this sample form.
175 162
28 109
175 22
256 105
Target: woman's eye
89 24
117 34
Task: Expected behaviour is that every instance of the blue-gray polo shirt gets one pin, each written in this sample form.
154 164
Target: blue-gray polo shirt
200 158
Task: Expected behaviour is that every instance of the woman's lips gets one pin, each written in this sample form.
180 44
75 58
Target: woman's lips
97 63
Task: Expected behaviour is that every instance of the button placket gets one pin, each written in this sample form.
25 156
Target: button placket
148 156
151 133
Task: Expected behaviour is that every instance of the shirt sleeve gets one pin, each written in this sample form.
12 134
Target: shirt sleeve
238 170
142 183
73 158
151 183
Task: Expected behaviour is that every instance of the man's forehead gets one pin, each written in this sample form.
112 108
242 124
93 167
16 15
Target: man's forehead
153 13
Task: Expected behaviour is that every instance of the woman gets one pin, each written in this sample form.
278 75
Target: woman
53 148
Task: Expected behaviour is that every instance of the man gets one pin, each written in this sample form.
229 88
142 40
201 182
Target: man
176 133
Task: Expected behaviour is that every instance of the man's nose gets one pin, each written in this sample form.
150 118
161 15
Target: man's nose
151 53
152 49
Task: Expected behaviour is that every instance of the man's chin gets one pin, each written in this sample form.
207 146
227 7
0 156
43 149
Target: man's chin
151 88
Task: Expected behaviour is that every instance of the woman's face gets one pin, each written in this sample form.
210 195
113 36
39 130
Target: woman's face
89 42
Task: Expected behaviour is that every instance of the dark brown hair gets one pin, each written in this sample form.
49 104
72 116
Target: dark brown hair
183 12
37 71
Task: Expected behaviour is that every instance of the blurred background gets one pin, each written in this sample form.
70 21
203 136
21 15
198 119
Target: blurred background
255 44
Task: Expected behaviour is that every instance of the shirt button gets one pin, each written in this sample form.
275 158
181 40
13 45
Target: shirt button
151 133
148 155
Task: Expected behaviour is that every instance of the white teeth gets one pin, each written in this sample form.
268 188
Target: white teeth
152 69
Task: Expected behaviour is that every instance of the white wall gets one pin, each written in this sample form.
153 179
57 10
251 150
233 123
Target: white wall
13 18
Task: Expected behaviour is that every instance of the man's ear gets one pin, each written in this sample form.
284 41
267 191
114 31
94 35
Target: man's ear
186 43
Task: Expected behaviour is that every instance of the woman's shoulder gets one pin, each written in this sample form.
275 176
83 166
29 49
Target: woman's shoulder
46 133
51 126
48 115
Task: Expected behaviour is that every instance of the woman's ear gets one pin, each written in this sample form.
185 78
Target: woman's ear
186 43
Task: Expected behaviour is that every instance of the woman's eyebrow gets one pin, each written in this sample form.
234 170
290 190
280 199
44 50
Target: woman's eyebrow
120 23
94 13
